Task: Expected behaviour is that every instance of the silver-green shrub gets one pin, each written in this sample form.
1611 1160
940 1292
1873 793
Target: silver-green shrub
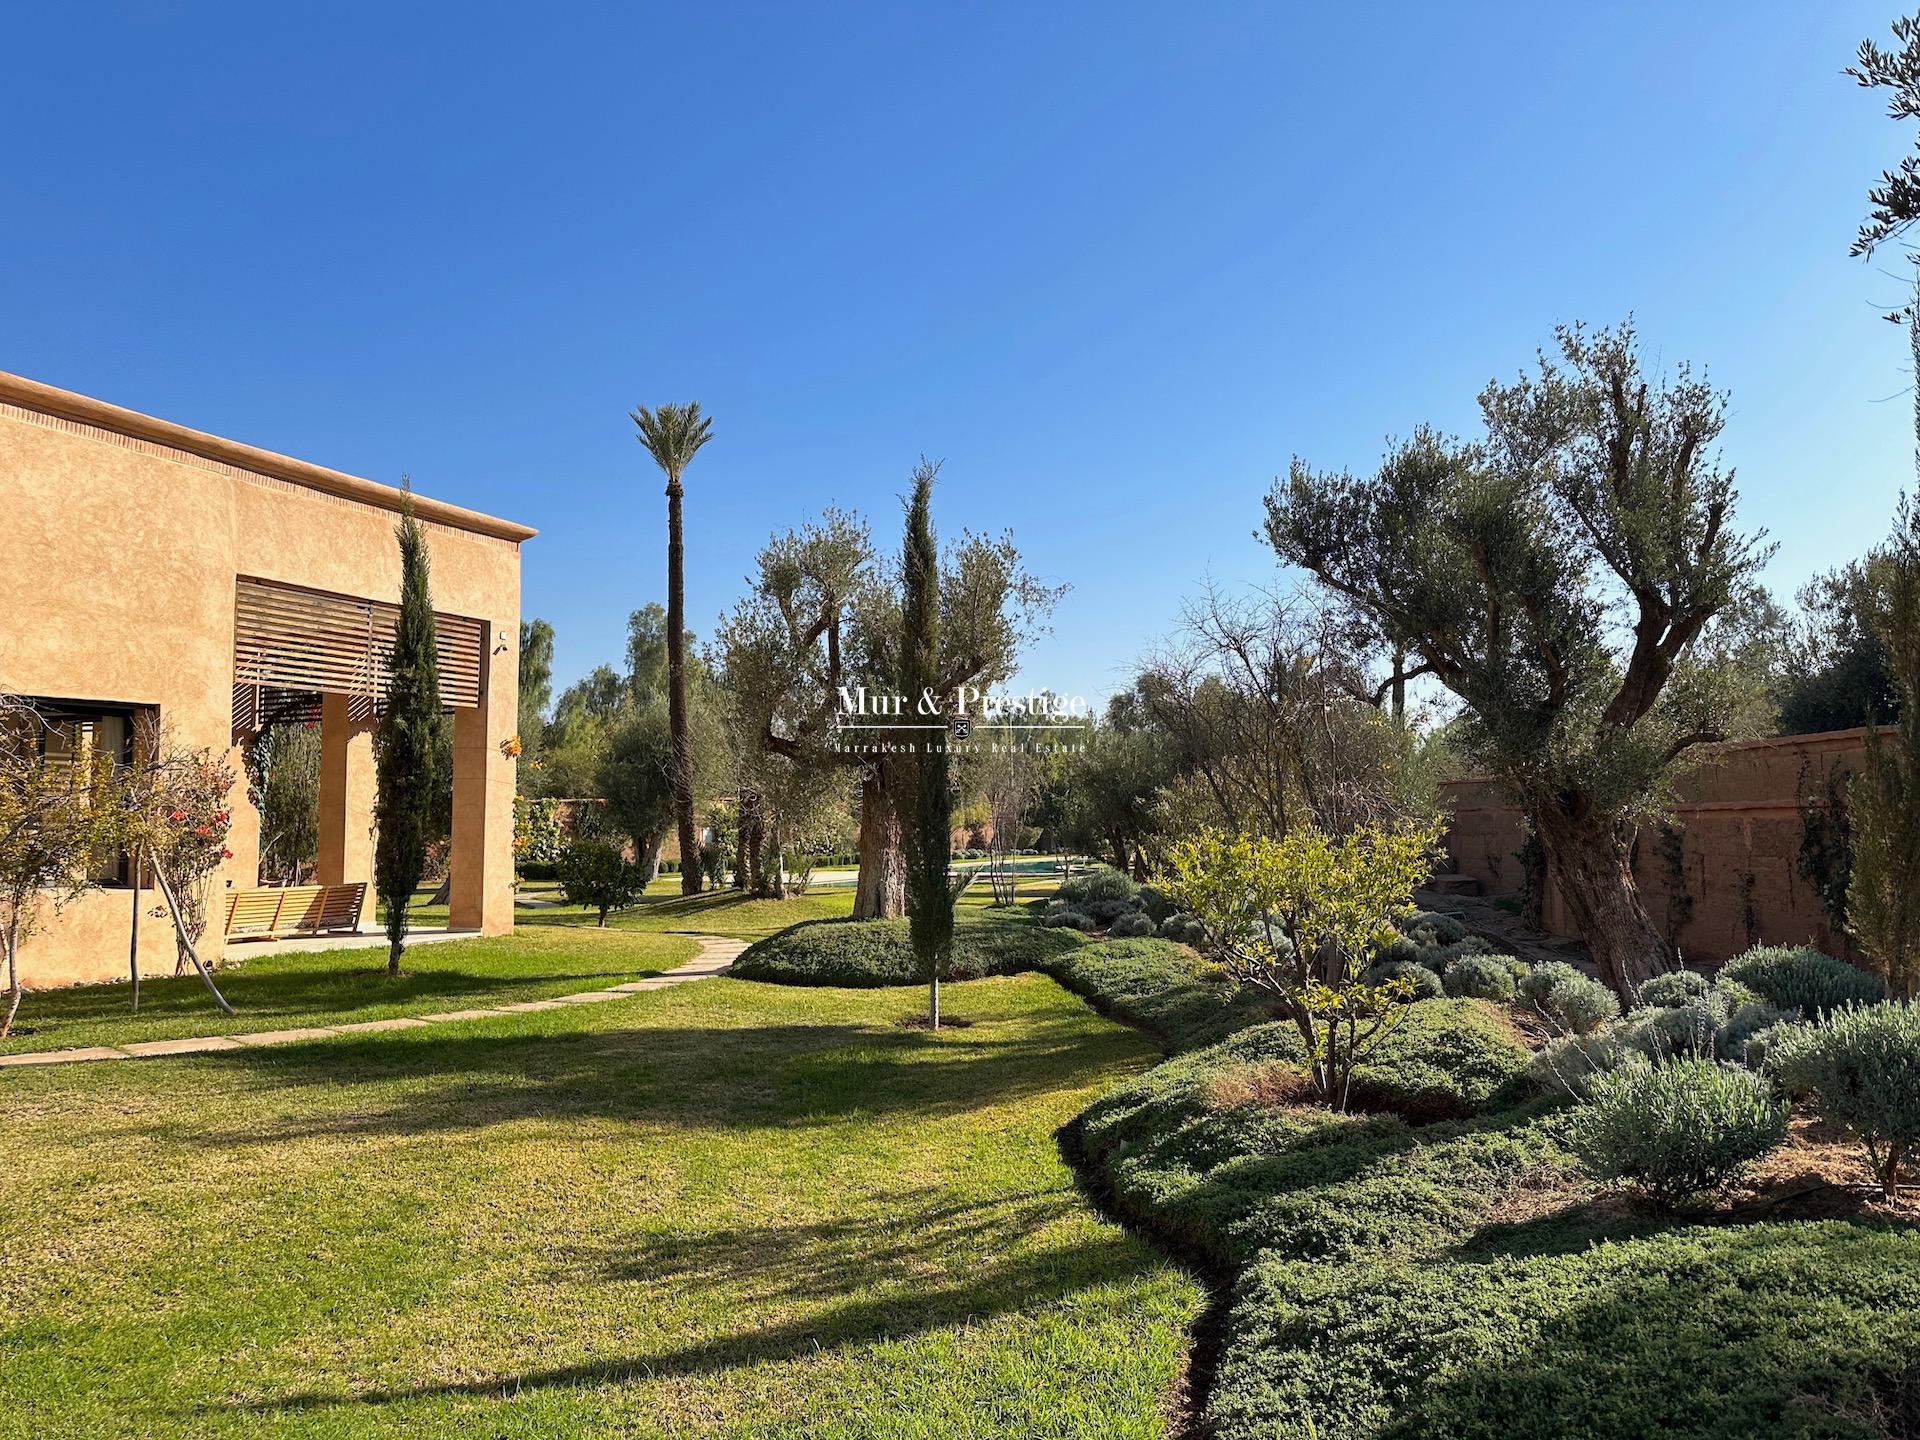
1794 977
1130 926
1100 883
1571 1064
1442 929
1581 1004
1480 977
1426 984
1862 1063
1743 1023
1679 1130
1183 929
1673 989
1069 918
1761 1047
1671 1032
1535 984
1571 1000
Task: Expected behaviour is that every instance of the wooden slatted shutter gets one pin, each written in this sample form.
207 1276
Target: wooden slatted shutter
289 638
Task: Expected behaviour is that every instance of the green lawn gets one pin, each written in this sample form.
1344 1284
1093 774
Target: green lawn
724 1208
556 951
273 989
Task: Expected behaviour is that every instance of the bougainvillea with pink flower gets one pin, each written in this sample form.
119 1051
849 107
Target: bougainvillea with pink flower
182 800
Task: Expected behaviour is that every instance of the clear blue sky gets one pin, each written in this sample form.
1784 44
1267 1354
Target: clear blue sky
1113 262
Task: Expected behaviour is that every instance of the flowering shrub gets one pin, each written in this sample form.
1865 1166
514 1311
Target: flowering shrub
181 822
537 834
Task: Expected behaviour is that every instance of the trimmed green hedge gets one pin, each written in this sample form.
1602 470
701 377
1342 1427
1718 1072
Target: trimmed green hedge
1164 988
1192 1150
1694 1333
869 953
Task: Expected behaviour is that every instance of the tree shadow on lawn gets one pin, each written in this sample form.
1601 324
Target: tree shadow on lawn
745 1077
1017 1282
796 1260
332 996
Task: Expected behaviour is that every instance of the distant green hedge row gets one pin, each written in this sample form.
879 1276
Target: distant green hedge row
868 953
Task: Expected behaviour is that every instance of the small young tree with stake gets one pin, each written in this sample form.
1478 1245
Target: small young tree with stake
926 800
407 753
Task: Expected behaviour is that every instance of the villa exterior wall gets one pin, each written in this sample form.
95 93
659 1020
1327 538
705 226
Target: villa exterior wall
1734 880
126 537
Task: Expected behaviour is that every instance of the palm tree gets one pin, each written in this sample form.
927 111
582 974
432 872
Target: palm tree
672 435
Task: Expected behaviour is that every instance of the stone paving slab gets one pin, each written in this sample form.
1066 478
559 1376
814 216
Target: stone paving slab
286 1037
66 1057
716 957
140 1049
443 1016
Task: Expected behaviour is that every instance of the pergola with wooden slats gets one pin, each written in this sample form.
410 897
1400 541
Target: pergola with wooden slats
290 641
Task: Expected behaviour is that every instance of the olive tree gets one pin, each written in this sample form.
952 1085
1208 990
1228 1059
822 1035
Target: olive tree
822 622
1575 576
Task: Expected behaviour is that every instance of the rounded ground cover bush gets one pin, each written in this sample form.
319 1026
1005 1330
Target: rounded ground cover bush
1673 989
1166 990
1480 977
1679 1130
1863 1066
1795 977
1131 926
1101 883
1571 1064
1447 1059
877 952
1198 1146
1426 984
1695 1333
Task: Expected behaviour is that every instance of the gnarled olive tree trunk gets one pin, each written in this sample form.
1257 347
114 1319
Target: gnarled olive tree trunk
1590 863
880 892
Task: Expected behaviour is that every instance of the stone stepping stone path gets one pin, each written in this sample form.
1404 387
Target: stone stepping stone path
716 957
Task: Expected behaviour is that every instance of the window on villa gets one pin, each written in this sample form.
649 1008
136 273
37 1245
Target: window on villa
72 730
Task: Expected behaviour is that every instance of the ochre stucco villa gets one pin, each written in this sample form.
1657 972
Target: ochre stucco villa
160 572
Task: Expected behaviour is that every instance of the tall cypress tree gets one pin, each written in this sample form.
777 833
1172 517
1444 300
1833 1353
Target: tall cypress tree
407 770
925 801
